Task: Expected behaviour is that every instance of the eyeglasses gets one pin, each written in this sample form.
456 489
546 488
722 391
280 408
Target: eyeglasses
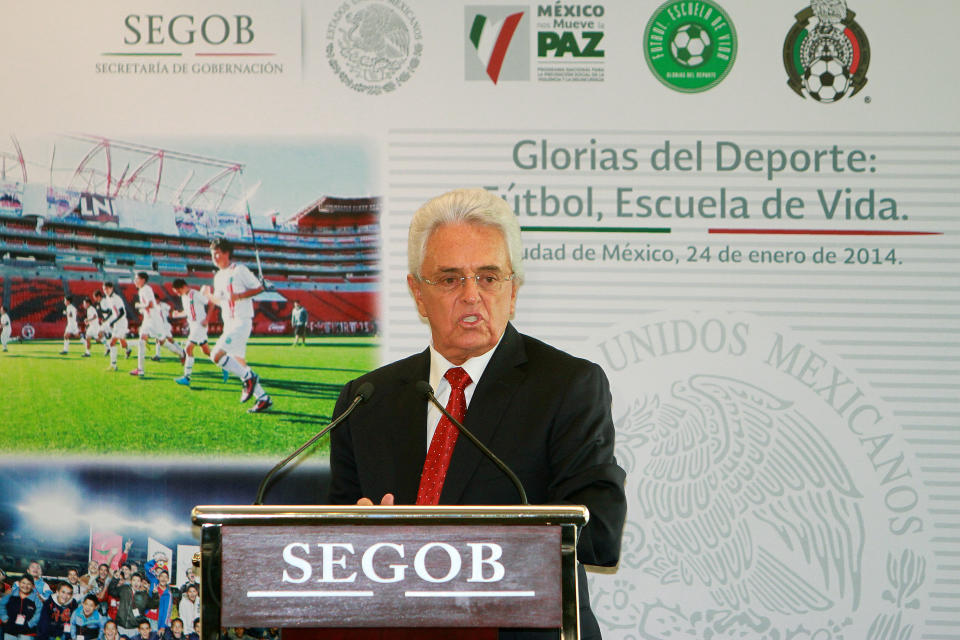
487 281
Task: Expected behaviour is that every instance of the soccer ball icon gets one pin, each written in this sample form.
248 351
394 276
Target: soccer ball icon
690 45
826 79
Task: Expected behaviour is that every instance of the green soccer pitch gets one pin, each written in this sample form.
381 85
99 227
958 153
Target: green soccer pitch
69 405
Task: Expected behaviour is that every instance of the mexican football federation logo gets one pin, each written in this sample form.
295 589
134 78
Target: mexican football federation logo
690 46
826 53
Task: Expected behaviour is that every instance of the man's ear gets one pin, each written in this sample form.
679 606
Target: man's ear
416 290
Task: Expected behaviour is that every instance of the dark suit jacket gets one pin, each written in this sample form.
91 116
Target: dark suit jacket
545 413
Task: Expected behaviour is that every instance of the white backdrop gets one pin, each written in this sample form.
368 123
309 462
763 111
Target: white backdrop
785 387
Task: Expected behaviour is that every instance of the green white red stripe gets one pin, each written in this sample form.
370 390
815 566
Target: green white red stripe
492 39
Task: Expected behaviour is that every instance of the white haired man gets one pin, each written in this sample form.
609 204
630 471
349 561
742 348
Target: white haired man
542 411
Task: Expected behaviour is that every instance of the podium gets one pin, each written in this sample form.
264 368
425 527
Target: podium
389 567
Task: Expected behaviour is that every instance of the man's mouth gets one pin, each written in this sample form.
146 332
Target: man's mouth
470 319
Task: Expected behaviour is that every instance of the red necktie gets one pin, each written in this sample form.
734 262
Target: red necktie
441 447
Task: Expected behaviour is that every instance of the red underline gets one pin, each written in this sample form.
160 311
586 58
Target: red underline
236 55
824 232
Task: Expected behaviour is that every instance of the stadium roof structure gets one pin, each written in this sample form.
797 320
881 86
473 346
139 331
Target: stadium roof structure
10 162
147 171
328 211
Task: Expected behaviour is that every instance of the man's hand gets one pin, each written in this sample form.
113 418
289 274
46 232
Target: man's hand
386 501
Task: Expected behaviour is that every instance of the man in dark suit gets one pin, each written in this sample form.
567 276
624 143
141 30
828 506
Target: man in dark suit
542 411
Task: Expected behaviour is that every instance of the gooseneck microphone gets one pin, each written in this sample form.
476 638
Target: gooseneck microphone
364 392
424 388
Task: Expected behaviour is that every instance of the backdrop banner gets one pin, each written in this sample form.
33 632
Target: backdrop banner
746 213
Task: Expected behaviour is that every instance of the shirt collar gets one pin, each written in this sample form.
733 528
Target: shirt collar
474 367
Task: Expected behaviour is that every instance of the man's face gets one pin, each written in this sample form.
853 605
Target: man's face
107 291
136 583
177 627
144 630
110 631
163 578
34 569
26 586
220 258
72 576
137 280
88 607
64 594
192 594
465 322
103 570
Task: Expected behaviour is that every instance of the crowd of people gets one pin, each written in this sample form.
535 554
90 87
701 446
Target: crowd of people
103 604
126 602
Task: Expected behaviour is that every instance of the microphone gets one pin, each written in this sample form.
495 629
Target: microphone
424 388
364 392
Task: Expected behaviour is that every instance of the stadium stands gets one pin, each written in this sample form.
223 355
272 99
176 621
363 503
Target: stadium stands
329 264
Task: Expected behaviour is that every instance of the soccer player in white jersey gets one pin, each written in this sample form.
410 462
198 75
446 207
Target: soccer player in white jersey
116 321
195 306
73 329
103 310
164 308
4 327
91 322
234 286
152 324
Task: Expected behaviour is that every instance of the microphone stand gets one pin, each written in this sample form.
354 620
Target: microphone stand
363 393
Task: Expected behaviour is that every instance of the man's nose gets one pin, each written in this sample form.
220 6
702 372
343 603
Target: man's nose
470 291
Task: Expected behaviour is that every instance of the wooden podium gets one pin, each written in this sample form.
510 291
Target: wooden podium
389 567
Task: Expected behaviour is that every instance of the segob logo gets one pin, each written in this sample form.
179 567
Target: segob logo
339 563
373 46
380 574
186 29
690 46
826 53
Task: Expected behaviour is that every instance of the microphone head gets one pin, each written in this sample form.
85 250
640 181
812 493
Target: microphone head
424 388
365 391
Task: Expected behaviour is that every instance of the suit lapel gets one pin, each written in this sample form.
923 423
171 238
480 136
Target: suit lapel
498 385
408 430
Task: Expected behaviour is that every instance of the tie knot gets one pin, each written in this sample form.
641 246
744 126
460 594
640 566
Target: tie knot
457 377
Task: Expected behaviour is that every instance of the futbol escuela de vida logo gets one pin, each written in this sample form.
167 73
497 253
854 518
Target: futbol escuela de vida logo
826 53
690 46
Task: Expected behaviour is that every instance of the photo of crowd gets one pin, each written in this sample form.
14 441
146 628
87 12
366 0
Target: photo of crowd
105 553
130 601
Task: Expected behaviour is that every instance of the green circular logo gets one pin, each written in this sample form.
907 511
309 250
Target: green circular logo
690 46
